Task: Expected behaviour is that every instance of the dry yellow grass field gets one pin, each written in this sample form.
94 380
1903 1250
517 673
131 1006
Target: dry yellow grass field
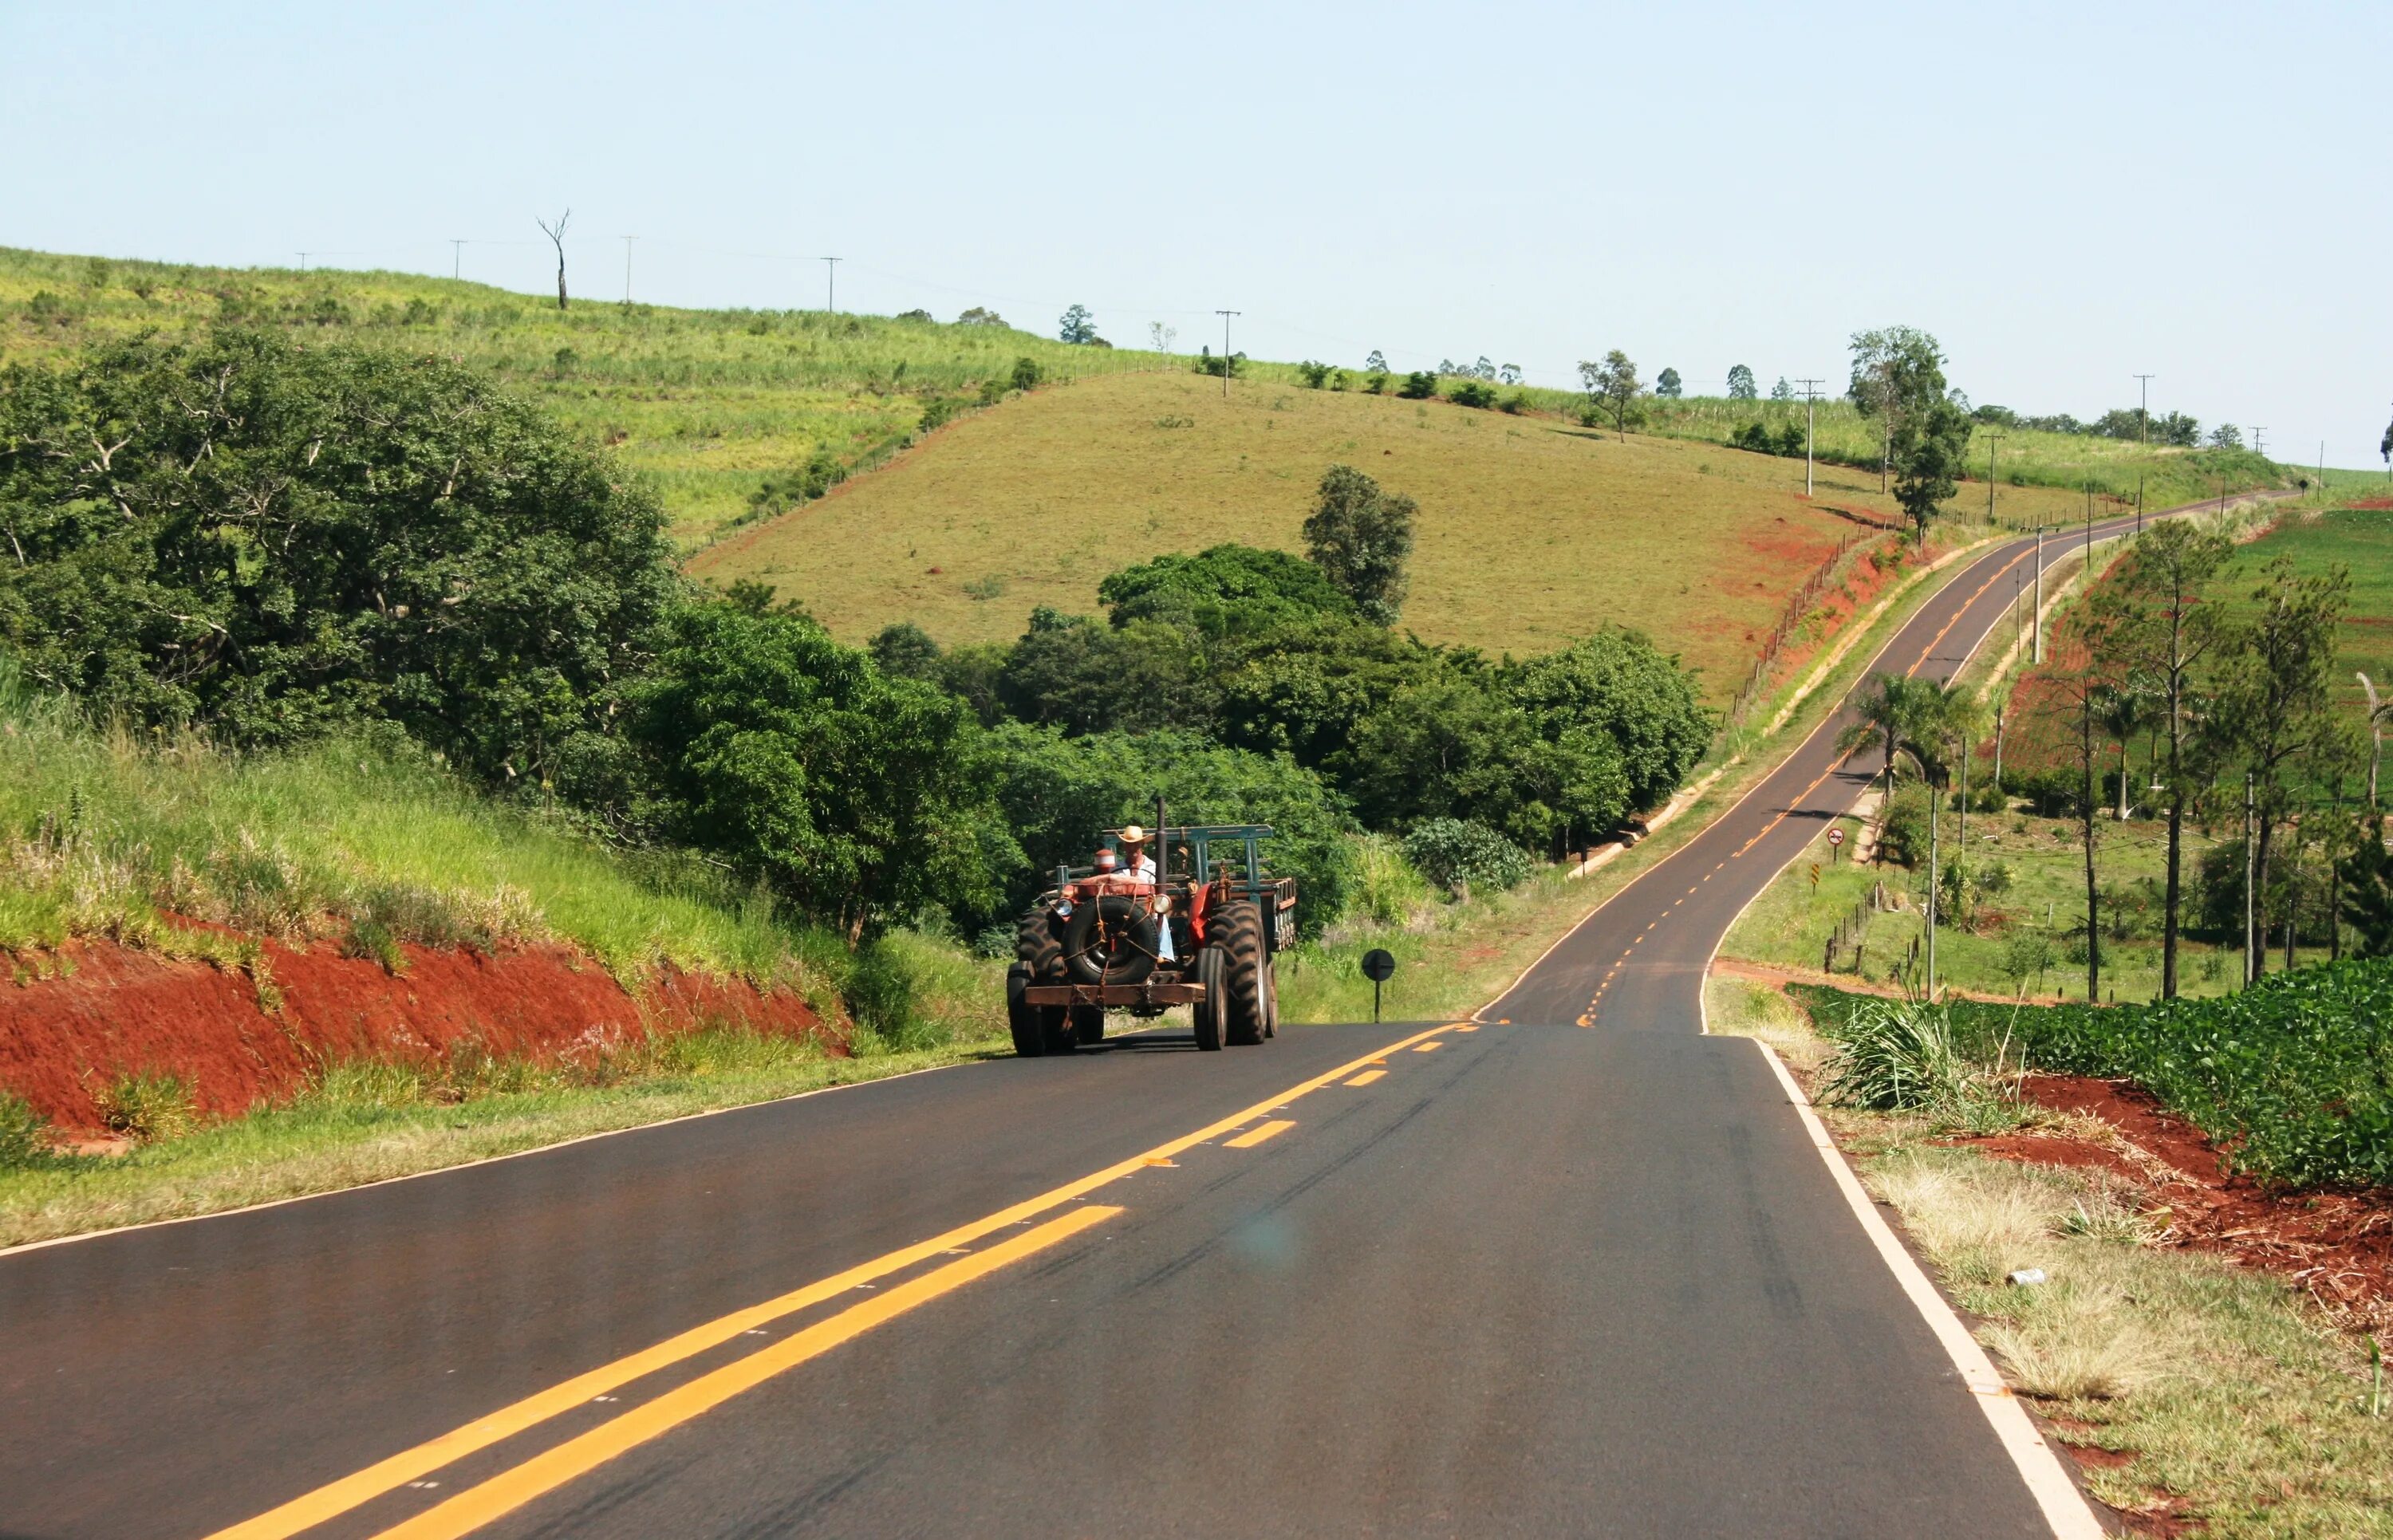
1532 530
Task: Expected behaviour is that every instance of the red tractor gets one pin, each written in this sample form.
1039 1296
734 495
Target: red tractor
1202 932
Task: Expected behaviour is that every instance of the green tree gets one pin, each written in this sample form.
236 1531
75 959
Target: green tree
904 651
1898 375
1080 675
1667 386
1419 385
1740 384
2162 627
1612 385
1226 590
1077 326
1361 538
1027 375
1930 451
266 540
858 797
1617 687
2273 706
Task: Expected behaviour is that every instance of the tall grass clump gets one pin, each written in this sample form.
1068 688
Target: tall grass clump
1903 1056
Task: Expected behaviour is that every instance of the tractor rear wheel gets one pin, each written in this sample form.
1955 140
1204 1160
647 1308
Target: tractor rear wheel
1211 1013
1020 1017
1241 926
1036 1029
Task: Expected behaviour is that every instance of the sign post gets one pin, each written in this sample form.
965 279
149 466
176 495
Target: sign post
1836 843
1378 966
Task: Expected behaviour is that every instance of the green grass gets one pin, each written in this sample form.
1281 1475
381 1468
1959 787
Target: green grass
2239 1404
100 833
1531 530
2360 541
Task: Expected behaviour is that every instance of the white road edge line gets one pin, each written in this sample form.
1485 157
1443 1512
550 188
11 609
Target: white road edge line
2065 1507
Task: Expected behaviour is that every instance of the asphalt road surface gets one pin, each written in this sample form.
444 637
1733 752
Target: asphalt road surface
1570 1268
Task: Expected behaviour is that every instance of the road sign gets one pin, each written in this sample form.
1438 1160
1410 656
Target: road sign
1378 966
1835 836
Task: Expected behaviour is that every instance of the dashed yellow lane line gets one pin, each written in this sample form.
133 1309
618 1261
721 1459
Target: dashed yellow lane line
1368 1077
1255 1136
1430 1047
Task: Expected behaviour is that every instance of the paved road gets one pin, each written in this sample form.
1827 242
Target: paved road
1513 1276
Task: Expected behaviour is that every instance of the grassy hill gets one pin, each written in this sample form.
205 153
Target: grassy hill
1532 530
709 403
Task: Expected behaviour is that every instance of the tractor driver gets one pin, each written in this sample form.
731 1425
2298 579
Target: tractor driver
1139 866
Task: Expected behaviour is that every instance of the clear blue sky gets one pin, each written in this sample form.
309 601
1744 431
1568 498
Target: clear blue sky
2065 195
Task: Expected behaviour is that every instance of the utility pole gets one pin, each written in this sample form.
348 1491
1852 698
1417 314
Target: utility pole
456 256
830 301
303 262
1810 399
1991 439
2143 441
1225 316
2259 447
627 270
2039 591
2321 476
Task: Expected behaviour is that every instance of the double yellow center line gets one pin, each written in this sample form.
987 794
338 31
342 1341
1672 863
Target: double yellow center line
519 1485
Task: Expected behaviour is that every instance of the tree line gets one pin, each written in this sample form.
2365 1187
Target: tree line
265 542
2234 710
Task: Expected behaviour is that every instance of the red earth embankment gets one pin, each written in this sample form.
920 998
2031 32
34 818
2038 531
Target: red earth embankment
104 1010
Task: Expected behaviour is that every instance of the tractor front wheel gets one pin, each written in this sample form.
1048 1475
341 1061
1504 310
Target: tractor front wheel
1211 1013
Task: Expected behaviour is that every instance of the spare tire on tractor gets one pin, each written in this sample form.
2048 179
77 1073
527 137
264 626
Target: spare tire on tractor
1110 940
1247 967
1036 1029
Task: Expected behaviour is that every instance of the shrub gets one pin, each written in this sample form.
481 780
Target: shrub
149 1106
1459 856
1902 834
1314 373
939 411
1027 375
1376 381
24 1133
1419 385
1471 393
1899 1056
1516 403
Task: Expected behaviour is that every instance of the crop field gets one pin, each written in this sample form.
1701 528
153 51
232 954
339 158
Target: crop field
2359 539
1532 530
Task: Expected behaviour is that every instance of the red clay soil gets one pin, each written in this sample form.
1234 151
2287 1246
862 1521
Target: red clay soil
106 1011
2371 504
2338 1247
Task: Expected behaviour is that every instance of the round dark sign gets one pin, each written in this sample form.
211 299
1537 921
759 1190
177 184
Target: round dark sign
1378 965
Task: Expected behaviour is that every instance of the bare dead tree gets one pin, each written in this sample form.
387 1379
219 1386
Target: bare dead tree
557 237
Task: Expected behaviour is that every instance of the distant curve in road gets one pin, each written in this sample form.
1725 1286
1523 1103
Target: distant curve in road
1514 1275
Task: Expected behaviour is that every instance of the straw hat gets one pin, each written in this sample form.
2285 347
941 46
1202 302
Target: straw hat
1133 835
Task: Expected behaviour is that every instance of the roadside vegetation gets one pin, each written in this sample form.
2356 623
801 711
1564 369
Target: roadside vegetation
2191 1391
